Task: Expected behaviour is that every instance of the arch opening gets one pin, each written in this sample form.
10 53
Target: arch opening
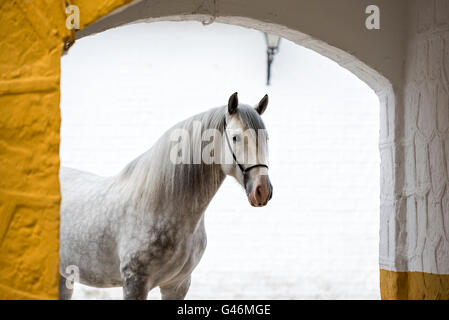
186 113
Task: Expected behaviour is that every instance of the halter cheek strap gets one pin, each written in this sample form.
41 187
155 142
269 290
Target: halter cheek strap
242 168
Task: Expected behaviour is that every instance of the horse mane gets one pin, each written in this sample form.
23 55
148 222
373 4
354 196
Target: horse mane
152 179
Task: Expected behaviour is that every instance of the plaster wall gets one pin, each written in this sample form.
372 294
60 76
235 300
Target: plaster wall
423 217
415 258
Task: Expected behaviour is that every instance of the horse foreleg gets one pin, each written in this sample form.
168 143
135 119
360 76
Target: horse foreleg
135 281
176 291
65 293
135 287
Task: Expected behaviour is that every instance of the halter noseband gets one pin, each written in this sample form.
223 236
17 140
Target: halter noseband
243 169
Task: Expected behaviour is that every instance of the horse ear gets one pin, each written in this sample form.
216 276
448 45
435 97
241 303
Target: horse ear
233 103
262 106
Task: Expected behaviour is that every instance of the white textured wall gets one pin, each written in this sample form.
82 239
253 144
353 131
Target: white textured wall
318 238
422 215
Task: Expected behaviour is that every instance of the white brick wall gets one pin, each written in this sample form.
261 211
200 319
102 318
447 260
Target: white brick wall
318 237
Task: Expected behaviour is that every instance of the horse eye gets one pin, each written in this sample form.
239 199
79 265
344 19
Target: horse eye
235 138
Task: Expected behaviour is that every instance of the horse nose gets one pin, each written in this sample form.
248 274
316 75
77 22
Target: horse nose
263 192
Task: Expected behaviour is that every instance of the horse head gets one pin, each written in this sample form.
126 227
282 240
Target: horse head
246 146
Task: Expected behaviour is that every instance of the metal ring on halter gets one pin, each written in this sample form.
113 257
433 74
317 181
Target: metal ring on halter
243 169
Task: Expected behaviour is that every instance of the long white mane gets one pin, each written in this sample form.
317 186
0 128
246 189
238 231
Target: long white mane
152 178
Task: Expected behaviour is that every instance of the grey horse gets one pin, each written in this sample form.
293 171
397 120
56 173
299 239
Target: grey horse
144 227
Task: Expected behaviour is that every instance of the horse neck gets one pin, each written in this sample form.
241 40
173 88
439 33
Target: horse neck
152 182
194 194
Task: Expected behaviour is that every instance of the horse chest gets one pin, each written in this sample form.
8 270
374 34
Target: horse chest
169 252
186 256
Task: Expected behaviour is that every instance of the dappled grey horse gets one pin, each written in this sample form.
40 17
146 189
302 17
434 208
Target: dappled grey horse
144 227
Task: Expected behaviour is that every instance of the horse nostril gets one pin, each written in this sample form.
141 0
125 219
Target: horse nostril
258 192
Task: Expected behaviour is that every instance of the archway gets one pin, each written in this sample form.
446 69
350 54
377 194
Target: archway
382 75
321 228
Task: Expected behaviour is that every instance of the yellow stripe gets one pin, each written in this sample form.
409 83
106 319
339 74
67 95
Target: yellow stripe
413 286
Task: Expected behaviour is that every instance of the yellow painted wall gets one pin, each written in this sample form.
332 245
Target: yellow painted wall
413 286
32 37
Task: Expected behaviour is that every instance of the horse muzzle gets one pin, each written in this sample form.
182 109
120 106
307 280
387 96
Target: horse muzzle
259 191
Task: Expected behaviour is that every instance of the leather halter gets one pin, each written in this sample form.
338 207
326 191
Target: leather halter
242 168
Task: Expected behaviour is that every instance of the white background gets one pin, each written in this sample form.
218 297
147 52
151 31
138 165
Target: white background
318 237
